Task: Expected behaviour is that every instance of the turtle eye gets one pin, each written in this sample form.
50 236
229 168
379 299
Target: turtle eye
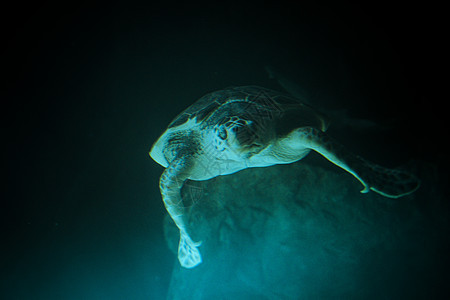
222 133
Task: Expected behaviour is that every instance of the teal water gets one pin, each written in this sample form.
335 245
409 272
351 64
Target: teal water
90 88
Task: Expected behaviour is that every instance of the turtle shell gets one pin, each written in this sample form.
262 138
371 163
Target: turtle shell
260 105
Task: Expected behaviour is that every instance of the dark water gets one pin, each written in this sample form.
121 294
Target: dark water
90 87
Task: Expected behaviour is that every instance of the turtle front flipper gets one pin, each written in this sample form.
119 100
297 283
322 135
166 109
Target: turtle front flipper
170 184
387 182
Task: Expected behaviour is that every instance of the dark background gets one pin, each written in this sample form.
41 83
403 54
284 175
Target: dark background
88 87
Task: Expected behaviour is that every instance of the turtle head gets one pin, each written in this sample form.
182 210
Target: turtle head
170 146
157 153
176 141
244 137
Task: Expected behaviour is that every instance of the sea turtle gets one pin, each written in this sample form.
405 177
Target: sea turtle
244 127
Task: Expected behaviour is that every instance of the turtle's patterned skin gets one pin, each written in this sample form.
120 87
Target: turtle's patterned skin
243 127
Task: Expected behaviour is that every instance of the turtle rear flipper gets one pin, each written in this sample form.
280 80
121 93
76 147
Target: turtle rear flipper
390 183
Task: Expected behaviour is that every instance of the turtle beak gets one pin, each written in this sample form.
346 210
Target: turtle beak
156 153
